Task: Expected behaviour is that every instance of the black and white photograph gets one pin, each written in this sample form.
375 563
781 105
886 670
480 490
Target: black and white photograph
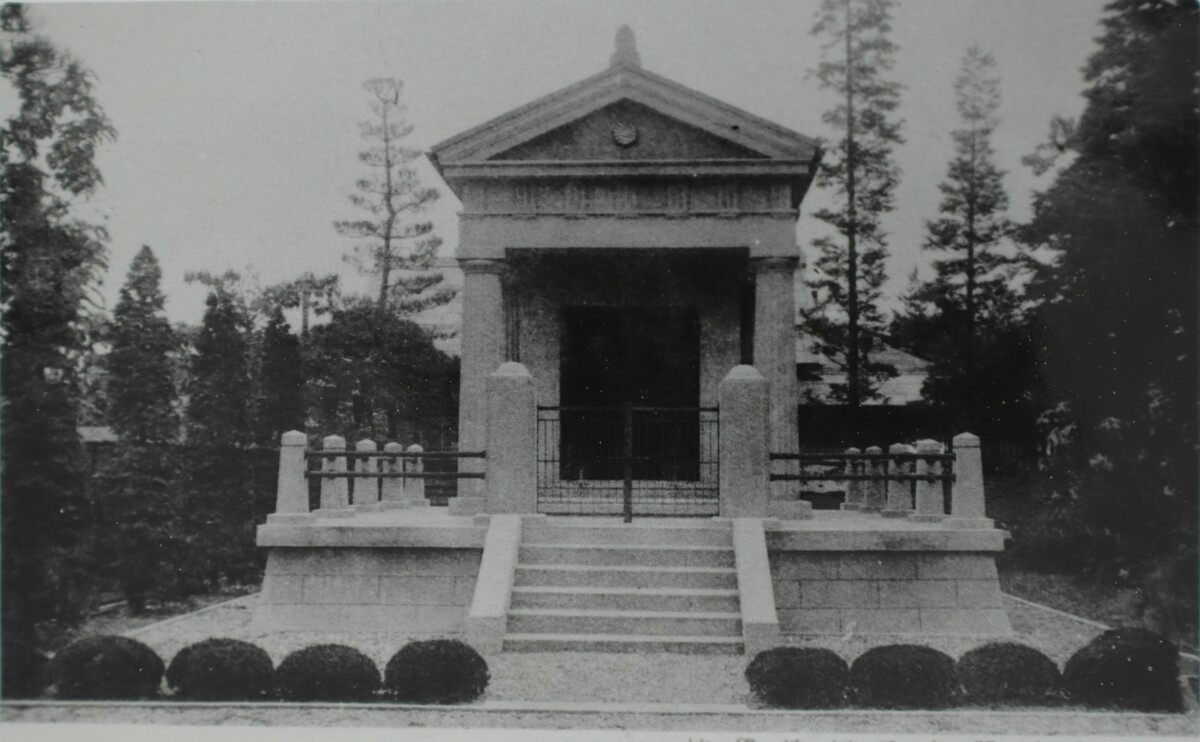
715 370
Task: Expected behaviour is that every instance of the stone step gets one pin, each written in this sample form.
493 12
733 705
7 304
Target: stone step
576 575
621 643
635 599
648 532
662 555
643 623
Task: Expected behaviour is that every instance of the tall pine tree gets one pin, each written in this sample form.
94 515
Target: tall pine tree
966 320
1119 303
859 170
141 501
393 244
48 260
219 479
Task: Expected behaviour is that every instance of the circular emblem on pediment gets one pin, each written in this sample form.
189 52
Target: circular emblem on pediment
624 134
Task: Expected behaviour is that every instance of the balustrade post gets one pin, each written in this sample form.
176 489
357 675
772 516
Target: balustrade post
291 491
511 441
414 488
855 494
743 448
967 494
876 488
335 492
366 489
391 490
930 502
899 497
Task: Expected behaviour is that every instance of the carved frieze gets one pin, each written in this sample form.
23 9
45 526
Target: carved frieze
584 197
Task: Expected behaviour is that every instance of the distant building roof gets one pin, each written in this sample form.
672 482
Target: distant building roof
821 374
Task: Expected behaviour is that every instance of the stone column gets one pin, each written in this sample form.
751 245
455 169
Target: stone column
930 506
855 492
775 344
366 489
483 349
414 489
291 494
899 498
743 444
876 490
966 498
335 491
511 441
392 489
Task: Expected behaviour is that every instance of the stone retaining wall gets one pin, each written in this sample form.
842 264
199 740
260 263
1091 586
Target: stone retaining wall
913 593
417 591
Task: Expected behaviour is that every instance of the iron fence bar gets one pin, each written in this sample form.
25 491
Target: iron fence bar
397 454
862 478
862 457
627 485
596 408
395 475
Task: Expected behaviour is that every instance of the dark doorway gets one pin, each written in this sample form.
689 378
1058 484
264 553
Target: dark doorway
630 385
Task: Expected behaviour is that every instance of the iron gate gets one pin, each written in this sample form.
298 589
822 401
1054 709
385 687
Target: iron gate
628 460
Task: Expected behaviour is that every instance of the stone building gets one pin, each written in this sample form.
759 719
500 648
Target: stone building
629 348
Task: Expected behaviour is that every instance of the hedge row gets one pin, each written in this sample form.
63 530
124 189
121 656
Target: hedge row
1127 669
119 668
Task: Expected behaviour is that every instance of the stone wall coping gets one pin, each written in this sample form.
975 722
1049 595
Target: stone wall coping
392 536
791 537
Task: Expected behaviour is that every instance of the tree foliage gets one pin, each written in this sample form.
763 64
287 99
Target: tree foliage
140 482
392 243
372 372
967 319
48 261
219 483
860 171
1118 300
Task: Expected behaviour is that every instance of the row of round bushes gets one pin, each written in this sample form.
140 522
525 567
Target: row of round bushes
120 668
1130 669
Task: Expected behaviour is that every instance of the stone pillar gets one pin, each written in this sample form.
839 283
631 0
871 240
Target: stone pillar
930 505
483 348
967 498
899 498
744 443
335 492
876 491
366 489
414 489
291 494
392 489
511 441
775 344
855 493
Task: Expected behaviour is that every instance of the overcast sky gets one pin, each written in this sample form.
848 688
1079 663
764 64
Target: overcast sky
238 121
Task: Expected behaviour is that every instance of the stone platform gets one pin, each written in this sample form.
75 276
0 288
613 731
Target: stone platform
426 572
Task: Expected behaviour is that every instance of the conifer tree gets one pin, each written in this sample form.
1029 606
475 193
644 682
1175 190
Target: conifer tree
846 321
966 320
141 501
48 261
393 244
281 403
219 481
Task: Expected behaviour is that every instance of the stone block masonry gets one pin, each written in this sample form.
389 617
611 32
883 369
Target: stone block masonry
910 593
419 592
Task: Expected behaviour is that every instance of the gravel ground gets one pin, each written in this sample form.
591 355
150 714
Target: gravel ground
706 683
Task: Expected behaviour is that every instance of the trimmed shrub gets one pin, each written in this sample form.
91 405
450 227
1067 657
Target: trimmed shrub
1007 672
903 676
799 678
107 668
327 672
221 670
24 670
436 671
1128 668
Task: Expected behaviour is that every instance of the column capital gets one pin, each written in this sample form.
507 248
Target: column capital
777 264
472 266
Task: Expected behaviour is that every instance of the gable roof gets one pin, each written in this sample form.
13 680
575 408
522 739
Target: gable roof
625 79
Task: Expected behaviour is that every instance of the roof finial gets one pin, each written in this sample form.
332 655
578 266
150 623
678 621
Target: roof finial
626 52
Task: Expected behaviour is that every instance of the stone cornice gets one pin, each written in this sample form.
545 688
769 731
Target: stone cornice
624 169
474 266
774 264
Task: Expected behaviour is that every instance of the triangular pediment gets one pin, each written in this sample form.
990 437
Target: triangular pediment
627 130
670 122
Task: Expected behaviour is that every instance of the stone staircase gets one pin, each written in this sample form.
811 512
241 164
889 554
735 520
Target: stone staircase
649 586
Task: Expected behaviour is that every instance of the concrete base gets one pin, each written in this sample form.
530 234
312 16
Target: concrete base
466 505
790 509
